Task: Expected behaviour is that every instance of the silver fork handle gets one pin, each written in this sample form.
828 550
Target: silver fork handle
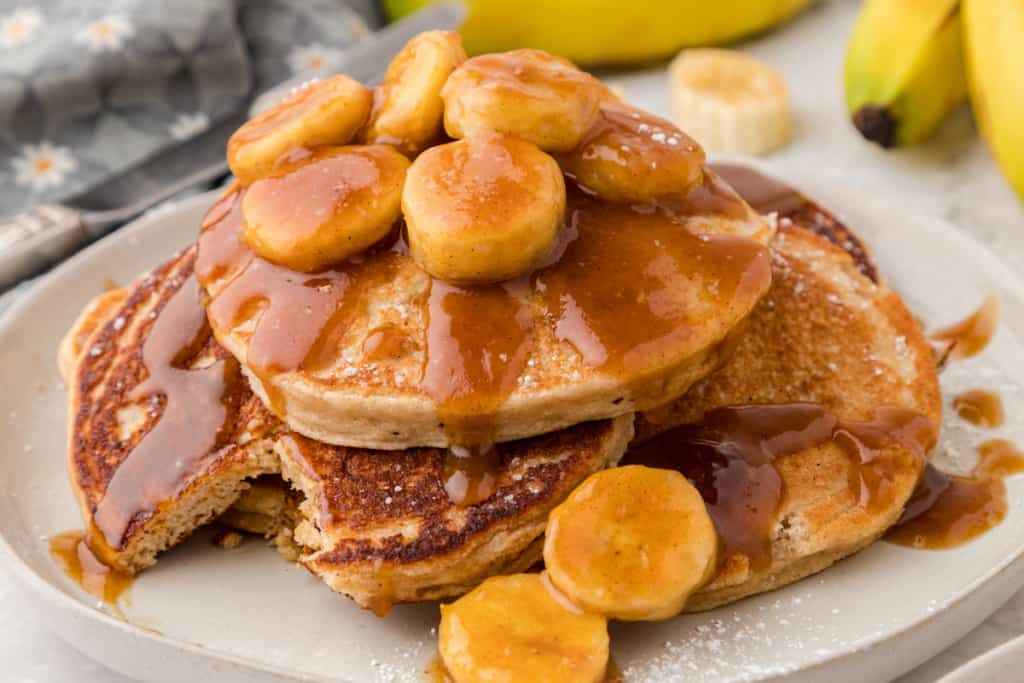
36 239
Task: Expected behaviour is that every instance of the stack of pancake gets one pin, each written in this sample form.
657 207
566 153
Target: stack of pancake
404 437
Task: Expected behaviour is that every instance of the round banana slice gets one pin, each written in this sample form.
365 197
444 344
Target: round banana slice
631 543
632 156
408 108
483 209
516 628
730 102
529 94
327 112
325 208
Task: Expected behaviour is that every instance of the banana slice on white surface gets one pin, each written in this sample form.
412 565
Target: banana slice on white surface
730 102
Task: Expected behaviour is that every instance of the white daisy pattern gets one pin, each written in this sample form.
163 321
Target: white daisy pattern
43 165
187 126
107 34
19 26
312 57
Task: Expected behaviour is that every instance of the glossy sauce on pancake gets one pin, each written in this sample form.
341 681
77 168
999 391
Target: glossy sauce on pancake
195 409
729 456
619 293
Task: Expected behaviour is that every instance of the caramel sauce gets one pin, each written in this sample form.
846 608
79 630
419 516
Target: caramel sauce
947 511
194 411
729 457
71 552
980 407
971 335
471 474
620 291
383 343
764 193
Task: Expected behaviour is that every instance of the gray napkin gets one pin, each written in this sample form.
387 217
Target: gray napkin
90 88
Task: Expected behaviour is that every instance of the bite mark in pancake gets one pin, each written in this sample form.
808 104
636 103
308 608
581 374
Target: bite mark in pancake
391 533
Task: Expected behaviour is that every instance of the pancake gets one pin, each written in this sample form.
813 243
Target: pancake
149 464
377 354
827 348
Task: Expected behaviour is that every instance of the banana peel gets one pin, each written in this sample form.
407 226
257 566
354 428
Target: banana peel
609 32
904 69
995 65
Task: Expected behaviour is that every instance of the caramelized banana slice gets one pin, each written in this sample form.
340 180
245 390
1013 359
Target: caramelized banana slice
516 628
526 93
327 112
483 209
350 197
631 543
632 156
408 108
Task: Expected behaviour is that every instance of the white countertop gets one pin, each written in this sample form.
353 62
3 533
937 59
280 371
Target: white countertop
953 177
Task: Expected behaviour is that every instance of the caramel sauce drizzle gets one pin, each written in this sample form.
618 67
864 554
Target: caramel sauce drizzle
970 336
72 554
729 457
980 407
947 511
194 411
619 289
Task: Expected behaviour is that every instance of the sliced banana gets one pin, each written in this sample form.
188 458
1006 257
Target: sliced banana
632 156
326 112
408 108
529 94
631 543
351 198
483 209
730 102
517 629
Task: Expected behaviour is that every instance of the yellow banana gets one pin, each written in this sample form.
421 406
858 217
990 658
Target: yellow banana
609 31
994 36
904 69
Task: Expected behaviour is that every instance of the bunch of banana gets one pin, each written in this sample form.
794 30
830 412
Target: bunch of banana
603 32
910 63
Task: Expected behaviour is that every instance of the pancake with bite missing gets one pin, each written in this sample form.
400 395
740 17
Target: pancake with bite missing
826 343
632 310
377 526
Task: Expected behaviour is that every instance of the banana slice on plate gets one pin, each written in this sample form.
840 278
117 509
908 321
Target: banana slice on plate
483 209
632 156
631 543
517 628
730 102
408 108
351 197
528 94
326 112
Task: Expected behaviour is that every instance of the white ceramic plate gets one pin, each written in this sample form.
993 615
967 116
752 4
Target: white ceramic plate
246 615
998 665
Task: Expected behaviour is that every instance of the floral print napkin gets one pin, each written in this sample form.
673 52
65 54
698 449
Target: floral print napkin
90 88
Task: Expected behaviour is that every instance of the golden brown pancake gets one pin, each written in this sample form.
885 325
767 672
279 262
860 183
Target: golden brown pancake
378 526
828 337
375 353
